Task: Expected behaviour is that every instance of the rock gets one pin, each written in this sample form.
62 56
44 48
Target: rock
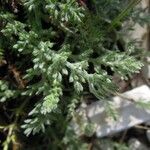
129 114
147 123
135 144
146 69
103 145
148 135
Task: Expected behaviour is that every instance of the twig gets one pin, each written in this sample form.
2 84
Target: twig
142 127
11 136
124 97
17 76
123 136
90 146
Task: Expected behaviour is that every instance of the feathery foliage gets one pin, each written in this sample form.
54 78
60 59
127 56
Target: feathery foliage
60 49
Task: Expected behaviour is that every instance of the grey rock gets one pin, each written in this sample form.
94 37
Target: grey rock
135 144
129 114
103 145
148 135
147 123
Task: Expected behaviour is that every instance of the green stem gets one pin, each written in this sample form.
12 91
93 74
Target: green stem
124 13
11 136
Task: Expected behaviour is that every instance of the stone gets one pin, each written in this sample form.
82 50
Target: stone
135 144
147 123
146 69
148 135
100 144
129 114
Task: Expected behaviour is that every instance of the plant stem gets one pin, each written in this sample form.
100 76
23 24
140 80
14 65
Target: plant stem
116 21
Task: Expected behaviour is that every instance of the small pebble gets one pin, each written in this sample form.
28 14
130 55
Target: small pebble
148 123
103 145
135 144
148 135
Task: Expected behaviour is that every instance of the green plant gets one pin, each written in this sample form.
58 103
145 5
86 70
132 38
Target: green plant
59 49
